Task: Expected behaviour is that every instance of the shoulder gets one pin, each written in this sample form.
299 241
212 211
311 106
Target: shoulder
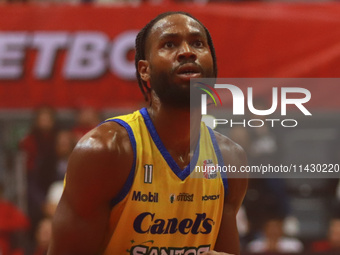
108 141
233 156
232 153
102 159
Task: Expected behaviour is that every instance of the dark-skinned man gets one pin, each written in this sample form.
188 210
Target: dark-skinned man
128 186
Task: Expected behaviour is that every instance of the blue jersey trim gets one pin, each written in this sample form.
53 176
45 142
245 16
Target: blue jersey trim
220 159
127 185
181 174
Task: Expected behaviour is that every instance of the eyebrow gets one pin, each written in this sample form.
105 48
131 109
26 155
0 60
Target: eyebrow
174 35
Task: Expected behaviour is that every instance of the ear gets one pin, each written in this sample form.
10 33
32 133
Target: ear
144 70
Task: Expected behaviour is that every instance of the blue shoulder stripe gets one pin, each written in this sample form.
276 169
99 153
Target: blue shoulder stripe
127 185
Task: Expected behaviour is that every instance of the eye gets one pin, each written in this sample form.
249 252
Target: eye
198 44
169 44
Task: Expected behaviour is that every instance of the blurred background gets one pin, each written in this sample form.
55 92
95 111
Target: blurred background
66 65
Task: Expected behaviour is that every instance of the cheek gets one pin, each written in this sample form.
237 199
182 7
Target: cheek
158 59
162 65
207 64
207 59
165 57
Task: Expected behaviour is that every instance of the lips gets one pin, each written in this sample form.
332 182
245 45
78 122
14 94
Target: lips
188 71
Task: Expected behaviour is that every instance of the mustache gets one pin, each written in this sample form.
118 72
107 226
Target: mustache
185 62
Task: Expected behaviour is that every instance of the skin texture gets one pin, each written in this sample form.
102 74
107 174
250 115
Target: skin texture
80 226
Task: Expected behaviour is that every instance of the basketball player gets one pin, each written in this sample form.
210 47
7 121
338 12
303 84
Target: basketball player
128 187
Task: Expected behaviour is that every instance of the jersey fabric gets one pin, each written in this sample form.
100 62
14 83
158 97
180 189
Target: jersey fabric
163 209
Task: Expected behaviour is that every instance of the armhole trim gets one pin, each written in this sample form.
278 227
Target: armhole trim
127 185
220 160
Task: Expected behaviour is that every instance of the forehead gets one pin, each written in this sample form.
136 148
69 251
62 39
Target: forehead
176 24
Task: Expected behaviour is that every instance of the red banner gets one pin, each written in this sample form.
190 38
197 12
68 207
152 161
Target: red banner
68 56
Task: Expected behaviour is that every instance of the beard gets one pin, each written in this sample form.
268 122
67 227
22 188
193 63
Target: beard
169 93
176 95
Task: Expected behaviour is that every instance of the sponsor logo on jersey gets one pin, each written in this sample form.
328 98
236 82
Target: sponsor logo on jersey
210 197
181 197
150 197
145 250
147 222
209 171
186 197
172 198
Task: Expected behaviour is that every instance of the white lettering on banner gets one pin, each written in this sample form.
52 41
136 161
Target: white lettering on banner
119 64
89 54
47 45
86 60
12 54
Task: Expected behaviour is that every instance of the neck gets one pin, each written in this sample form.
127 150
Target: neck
178 128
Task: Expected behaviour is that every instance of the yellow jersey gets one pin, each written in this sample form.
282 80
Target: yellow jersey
162 209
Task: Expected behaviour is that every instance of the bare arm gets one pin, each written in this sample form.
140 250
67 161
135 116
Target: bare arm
228 238
98 168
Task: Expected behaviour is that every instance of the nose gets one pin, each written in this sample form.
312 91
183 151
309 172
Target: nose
186 52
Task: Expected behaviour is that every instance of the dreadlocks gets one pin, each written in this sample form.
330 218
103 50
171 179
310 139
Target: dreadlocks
141 41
